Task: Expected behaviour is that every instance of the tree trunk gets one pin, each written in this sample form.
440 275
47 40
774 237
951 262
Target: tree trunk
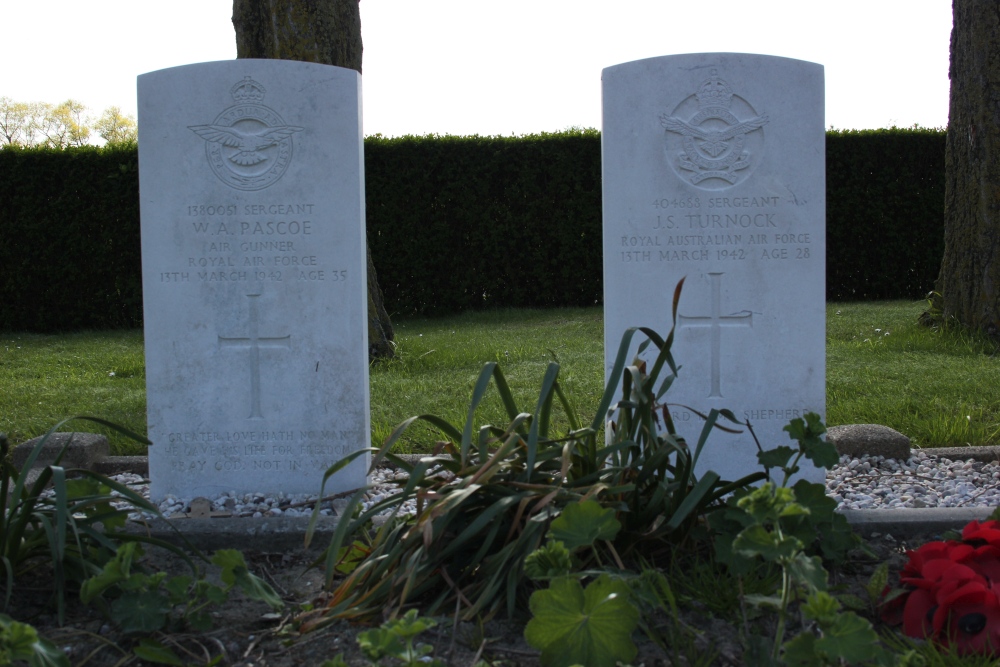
969 281
317 31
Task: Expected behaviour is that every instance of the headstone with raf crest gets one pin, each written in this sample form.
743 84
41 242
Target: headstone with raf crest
714 172
254 276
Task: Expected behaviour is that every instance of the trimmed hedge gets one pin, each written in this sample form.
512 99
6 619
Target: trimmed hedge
884 213
69 224
459 223
454 223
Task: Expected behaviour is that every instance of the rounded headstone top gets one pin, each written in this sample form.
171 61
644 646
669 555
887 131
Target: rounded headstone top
872 439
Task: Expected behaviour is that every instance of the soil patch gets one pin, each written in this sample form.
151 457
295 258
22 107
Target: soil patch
247 634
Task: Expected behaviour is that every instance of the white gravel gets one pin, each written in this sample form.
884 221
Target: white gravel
923 480
870 482
385 482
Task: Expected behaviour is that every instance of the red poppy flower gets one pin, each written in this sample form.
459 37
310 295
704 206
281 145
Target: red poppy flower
987 532
954 591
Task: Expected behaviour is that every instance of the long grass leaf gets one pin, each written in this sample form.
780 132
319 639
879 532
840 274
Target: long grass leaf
506 396
478 392
695 497
339 534
62 511
571 417
474 528
540 422
611 386
330 472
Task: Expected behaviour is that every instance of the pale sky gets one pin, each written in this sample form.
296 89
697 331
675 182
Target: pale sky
500 68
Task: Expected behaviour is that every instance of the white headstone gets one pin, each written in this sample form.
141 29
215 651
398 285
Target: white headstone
714 171
254 276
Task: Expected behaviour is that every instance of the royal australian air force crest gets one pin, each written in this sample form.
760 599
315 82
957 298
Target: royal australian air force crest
249 146
714 137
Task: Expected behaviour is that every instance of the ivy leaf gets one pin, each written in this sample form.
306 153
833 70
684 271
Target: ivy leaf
581 524
800 651
808 432
757 541
812 495
548 561
809 571
767 503
410 625
178 588
17 640
230 560
140 611
350 557
777 457
591 627
849 638
108 577
379 642
821 453
821 607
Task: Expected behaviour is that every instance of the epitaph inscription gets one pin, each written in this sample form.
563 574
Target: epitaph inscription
713 172
254 282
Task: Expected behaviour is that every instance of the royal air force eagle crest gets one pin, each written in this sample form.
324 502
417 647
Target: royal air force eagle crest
249 146
714 137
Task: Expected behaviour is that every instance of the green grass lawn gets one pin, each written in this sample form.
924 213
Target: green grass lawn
939 388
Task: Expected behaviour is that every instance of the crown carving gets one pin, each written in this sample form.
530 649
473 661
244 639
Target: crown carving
714 93
248 90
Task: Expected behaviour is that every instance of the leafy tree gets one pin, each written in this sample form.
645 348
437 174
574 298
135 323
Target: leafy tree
317 31
20 122
969 280
14 118
65 125
116 127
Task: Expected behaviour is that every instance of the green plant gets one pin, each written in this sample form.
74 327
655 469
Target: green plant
590 627
151 606
20 641
74 528
593 626
776 527
484 497
808 515
147 602
394 639
835 638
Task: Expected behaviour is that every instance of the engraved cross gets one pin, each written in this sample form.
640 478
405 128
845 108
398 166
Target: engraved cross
715 322
254 342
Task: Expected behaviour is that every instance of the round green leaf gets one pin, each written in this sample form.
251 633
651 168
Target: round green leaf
591 628
581 524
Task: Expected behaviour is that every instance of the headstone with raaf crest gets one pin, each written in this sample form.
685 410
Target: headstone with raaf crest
714 172
254 282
